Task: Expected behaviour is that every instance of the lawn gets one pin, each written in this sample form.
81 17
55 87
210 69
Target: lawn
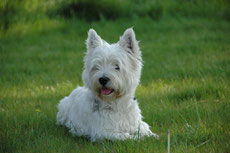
185 83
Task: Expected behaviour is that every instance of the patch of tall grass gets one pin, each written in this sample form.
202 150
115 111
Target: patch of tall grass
24 11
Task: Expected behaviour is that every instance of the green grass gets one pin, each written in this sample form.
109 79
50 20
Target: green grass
185 84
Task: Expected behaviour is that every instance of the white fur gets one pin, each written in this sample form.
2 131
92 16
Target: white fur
87 112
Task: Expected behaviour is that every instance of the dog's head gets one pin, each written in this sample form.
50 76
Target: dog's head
112 70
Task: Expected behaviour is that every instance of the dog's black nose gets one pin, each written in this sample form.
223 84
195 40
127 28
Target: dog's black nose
103 80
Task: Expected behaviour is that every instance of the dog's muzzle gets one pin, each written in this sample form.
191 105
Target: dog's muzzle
104 80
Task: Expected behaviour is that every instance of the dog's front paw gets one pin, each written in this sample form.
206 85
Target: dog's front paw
122 136
155 135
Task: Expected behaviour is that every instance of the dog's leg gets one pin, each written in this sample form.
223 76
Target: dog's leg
145 131
63 110
113 136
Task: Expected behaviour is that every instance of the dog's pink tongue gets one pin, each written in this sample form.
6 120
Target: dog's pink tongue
105 91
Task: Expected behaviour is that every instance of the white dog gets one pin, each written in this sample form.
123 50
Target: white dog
106 106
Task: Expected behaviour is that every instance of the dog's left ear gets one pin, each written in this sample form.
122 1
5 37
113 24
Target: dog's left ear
128 42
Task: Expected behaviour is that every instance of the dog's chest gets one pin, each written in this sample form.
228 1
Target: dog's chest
111 116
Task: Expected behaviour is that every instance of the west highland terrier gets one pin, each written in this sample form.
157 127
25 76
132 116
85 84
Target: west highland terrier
106 107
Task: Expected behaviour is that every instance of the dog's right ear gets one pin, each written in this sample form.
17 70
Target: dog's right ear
93 40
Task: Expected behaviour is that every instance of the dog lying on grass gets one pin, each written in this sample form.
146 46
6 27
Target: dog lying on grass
106 107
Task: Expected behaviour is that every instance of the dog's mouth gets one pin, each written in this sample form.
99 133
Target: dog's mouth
106 91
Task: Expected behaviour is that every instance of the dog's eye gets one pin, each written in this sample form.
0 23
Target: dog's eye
95 68
117 67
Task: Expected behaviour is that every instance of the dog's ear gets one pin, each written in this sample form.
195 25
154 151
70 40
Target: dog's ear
93 40
128 42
